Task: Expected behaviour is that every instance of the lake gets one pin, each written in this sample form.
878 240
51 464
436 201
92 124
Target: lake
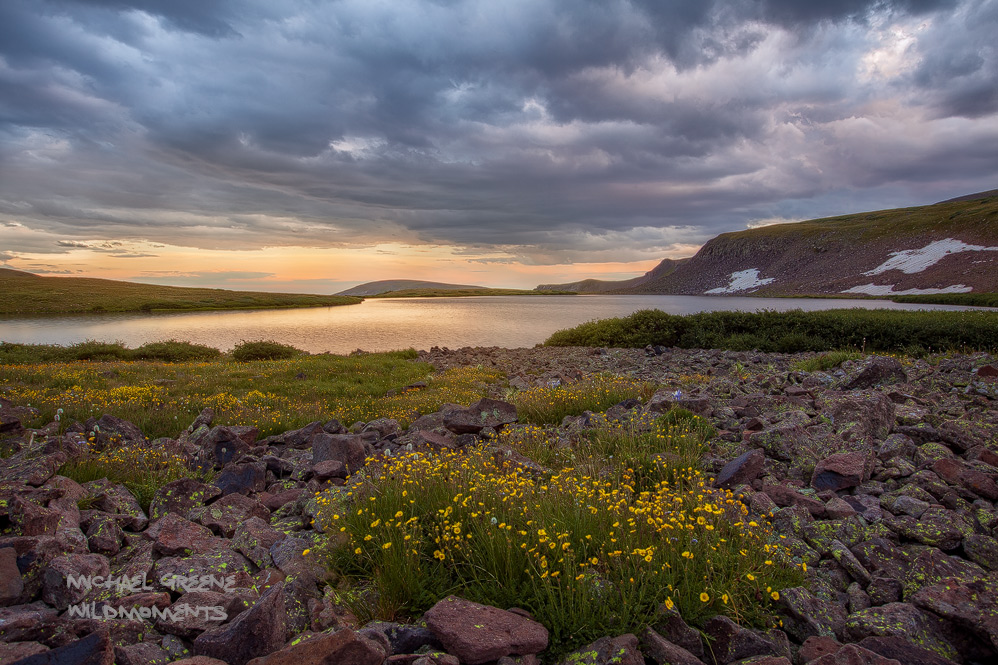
394 323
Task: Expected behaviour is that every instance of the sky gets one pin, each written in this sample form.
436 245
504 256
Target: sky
311 145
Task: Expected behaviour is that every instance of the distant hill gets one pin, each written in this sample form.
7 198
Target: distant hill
386 285
662 270
947 247
24 293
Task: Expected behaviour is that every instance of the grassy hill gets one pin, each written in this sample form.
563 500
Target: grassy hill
864 254
23 293
393 285
462 293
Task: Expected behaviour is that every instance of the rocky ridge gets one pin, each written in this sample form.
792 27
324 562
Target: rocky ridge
881 475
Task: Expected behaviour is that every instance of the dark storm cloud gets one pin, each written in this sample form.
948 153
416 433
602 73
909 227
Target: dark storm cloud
536 126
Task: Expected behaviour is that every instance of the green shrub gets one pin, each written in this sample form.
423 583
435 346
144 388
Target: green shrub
796 330
264 350
174 351
825 361
94 350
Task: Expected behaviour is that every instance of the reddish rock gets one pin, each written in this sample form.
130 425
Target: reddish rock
841 471
851 654
904 651
181 497
743 469
874 371
784 496
815 647
480 633
731 642
349 449
622 650
254 537
176 536
11 652
663 652
344 647
11 584
94 649
483 413
226 514
329 469
987 371
259 631
957 472
56 590
242 478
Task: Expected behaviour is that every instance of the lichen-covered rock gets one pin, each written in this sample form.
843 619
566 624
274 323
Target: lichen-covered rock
479 634
805 615
622 650
343 647
900 620
483 413
181 497
259 631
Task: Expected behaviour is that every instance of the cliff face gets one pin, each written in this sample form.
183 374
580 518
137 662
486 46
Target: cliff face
949 247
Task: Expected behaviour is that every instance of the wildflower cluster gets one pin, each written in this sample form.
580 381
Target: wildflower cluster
585 555
274 396
596 393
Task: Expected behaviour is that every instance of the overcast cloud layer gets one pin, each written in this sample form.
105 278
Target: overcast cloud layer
553 130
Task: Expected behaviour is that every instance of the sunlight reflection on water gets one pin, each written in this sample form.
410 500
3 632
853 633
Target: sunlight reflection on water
386 324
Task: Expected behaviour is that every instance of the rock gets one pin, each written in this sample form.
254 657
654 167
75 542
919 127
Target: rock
883 590
223 445
11 584
806 615
253 538
349 449
176 536
903 651
56 588
479 634
483 413
622 650
784 496
117 500
982 550
259 631
957 472
12 652
671 626
874 371
743 469
841 471
225 515
857 415
181 497
94 649
664 652
344 647
329 469
851 654
242 478
194 613
731 642
816 647
143 653
110 430
969 606
404 638
900 620
104 536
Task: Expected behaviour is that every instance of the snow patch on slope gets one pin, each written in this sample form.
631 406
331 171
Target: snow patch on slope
888 290
911 261
742 281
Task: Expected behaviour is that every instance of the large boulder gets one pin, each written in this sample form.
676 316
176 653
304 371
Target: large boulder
259 631
479 634
483 413
343 647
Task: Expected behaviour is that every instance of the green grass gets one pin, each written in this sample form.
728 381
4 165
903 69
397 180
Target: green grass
274 395
542 405
464 293
966 299
587 556
25 294
825 361
793 331
141 470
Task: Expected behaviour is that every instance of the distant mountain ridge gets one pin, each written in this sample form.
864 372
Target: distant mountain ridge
947 247
386 285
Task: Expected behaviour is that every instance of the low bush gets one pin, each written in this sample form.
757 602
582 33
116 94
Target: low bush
825 361
264 350
793 331
174 351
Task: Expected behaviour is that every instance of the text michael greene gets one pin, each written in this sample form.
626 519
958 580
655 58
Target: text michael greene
137 583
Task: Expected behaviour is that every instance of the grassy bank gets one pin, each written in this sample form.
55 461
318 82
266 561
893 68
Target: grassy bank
275 395
25 294
858 329
965 299
464 293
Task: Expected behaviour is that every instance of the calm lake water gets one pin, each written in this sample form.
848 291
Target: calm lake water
387 324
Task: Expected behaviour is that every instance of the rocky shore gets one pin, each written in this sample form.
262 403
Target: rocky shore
882 476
